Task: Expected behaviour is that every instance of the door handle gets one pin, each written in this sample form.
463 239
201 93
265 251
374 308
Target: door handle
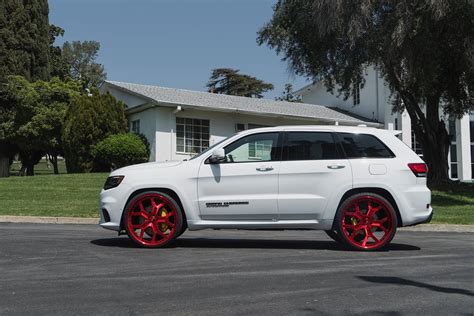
264 168
336 166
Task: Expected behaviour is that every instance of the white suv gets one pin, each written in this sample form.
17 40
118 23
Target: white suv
357 183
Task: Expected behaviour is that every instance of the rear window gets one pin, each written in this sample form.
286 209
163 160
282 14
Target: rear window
364 146
309 146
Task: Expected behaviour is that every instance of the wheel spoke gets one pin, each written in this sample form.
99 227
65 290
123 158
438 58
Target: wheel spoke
378 225
380 221
355 233
371 235
366 238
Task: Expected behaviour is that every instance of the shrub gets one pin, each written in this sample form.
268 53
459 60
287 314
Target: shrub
119 150
89 120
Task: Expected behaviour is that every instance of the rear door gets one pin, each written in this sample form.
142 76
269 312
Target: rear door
312 171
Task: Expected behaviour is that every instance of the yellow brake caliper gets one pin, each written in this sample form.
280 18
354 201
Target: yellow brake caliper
354 222
163 213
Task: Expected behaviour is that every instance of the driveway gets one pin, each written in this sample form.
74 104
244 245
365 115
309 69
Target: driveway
83 269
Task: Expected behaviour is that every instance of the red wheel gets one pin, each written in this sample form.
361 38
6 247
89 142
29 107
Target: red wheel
153 219
366 221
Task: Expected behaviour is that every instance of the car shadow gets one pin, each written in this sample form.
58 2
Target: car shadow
403 281
125 242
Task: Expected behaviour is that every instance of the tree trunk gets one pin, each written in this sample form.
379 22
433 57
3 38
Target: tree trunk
435 145
434 139
54 161
4 167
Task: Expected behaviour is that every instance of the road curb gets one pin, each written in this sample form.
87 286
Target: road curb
48 220
440 228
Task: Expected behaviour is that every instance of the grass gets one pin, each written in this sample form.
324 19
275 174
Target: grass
453 204
77 195
40 169
74 195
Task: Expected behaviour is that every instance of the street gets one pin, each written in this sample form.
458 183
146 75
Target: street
84 269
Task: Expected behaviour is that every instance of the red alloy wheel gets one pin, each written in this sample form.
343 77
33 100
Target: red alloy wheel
368 222
152 220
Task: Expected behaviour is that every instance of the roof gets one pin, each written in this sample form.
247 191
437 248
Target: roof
226 103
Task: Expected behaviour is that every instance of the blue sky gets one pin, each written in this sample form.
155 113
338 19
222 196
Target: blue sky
175 43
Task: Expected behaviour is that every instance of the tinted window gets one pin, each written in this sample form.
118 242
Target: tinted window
364 146
256 147
309 146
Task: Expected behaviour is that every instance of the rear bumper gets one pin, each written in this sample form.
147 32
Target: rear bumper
422 220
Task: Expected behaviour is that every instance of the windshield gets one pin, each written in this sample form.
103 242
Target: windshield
209 148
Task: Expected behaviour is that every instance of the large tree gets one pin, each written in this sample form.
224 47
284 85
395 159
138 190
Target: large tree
81 61
230 81
90 119
24 50
424 49
288 94
33 117
58 66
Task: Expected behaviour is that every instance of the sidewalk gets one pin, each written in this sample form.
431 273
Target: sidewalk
47 220
95 221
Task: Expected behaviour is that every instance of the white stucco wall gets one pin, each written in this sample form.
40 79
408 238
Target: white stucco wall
374 98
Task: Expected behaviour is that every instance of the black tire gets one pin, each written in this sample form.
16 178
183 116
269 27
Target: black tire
386 211
333 235
170 203
183 229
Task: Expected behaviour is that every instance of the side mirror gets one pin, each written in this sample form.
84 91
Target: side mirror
218 155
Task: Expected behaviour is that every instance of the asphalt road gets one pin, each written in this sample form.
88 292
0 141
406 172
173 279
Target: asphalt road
83 269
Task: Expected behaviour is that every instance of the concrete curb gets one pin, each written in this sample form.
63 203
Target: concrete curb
95 221
440 228
47 220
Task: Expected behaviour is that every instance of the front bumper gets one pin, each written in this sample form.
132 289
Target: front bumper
112 204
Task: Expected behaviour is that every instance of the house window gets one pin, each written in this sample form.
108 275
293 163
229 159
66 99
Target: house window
252 126
239 127
135 126
192 135
471 126
453 149
415 144
356 94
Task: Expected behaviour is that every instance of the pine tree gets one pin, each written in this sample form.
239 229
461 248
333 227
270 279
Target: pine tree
24 51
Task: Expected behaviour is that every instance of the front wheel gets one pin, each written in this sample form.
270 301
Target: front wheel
366 221
153 219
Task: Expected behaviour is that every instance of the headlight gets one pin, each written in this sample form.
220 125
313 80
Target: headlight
113 182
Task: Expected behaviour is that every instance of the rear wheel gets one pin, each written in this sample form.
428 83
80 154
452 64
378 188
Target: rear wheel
153 219
366 221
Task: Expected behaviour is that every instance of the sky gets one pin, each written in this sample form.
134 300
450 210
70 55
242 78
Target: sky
175 43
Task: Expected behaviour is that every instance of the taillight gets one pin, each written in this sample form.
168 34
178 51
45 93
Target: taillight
419 169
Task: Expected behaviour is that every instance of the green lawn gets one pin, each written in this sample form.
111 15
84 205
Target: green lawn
77 195
52 195
454 204
40 168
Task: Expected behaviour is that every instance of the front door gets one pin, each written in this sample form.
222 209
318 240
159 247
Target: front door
245 186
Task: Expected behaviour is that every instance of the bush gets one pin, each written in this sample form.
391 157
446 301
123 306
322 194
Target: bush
119 150
89 120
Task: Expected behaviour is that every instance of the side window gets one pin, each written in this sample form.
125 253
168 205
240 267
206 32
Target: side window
253 148
309 146
364 146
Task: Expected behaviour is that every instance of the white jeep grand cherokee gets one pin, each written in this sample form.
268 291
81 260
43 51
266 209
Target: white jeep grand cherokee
357 183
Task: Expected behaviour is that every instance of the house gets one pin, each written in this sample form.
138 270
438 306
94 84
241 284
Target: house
372 102
180 123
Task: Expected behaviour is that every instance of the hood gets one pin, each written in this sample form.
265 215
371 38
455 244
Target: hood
148 165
